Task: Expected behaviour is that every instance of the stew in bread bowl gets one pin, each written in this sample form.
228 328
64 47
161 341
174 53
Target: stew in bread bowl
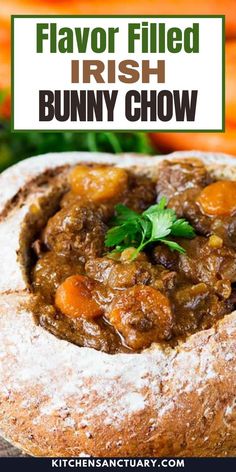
117 303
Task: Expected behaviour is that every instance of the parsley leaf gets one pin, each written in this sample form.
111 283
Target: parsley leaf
173 245
162 222
182 228
152 226
117 234
158 206
124 214
146 228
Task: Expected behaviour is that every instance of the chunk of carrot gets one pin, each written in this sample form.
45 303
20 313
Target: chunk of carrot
74 298
98 183
218 198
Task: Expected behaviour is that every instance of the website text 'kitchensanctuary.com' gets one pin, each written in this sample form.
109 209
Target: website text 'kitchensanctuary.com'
115 463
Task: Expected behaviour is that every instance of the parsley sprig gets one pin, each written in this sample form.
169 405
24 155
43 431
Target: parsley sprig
155 225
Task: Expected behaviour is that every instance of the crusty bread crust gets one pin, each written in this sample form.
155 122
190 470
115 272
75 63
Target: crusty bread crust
57 399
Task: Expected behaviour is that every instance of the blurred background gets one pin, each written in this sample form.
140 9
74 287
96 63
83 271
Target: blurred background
17 146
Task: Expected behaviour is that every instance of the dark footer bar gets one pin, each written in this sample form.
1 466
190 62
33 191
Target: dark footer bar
28 464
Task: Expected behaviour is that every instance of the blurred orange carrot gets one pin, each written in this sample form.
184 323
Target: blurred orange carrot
215 142
231 81
5 52
125 7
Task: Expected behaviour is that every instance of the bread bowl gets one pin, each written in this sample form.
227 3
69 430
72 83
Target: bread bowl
60 399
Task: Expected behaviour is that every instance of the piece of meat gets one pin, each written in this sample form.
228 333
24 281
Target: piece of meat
93 334
77 231
186 206
117 275
161 254
203 263
214 266
195 307
176 176
105 210
141 193
182 183
141 315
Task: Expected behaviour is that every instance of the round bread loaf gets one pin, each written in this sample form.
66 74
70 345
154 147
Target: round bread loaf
58 399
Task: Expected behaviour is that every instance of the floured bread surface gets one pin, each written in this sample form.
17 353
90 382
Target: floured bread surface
58 399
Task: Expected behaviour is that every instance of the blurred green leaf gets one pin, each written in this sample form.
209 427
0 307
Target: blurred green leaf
17 146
